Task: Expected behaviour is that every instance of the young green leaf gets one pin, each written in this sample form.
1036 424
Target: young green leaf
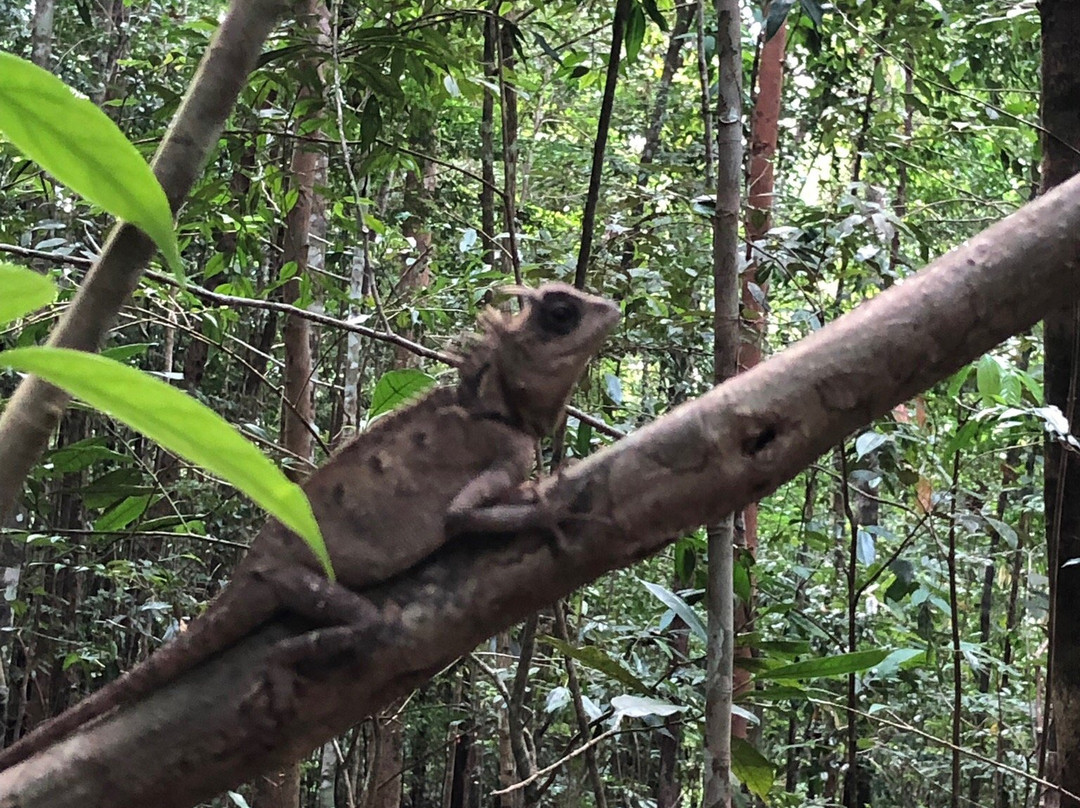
396 387
79 145
838 665
22 291
179 423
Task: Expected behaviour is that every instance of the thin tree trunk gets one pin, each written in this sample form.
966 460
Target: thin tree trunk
684 15
668 787
305 223
508 110
603 124
41 35
524 764
764 134
487 142
721 594
387 760
954 626
507 765
582 717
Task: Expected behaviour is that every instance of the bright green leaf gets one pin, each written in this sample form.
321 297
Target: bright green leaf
396 387
988 377
635 32
123 514
22 291
752 768
962 439
839 665
957 381
121 353
898 658
592 657
80 145
180 424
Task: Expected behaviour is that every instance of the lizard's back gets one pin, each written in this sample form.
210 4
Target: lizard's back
381 501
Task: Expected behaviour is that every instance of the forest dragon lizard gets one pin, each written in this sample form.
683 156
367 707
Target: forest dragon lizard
384 501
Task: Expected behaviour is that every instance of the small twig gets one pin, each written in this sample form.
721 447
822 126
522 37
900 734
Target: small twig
580 750
324 319
149 534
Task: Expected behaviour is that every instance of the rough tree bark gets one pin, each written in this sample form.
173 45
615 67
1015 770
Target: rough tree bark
1061 122
705 459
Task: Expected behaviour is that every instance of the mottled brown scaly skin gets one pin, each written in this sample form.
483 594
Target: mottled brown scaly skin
383 501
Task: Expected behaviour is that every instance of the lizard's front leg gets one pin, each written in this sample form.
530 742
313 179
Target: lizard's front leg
311 595
483 490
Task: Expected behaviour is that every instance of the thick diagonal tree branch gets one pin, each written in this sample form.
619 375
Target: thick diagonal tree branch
239 715
33 412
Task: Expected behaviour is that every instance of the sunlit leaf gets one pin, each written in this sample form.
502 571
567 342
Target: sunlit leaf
22 291
868 442
123 514
865 551
988 377
179 423
79 144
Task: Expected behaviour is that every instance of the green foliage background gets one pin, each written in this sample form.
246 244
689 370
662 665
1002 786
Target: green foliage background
118 542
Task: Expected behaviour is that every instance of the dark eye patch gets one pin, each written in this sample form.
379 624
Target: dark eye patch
559 313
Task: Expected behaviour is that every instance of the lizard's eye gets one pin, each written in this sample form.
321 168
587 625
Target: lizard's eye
559 314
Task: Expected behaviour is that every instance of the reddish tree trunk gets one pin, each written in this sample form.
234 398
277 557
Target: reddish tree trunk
764 134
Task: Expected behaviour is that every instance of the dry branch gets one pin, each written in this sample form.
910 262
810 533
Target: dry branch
231 719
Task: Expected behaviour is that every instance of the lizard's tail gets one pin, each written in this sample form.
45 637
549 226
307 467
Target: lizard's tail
204 637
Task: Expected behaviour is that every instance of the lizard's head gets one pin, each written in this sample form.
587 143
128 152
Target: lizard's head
534 358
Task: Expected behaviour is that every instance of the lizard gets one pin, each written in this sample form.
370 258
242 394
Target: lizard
384 501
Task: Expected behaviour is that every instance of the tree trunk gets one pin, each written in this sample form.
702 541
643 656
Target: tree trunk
1061 334
305 219
721 594
41 35
764 133
384 790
